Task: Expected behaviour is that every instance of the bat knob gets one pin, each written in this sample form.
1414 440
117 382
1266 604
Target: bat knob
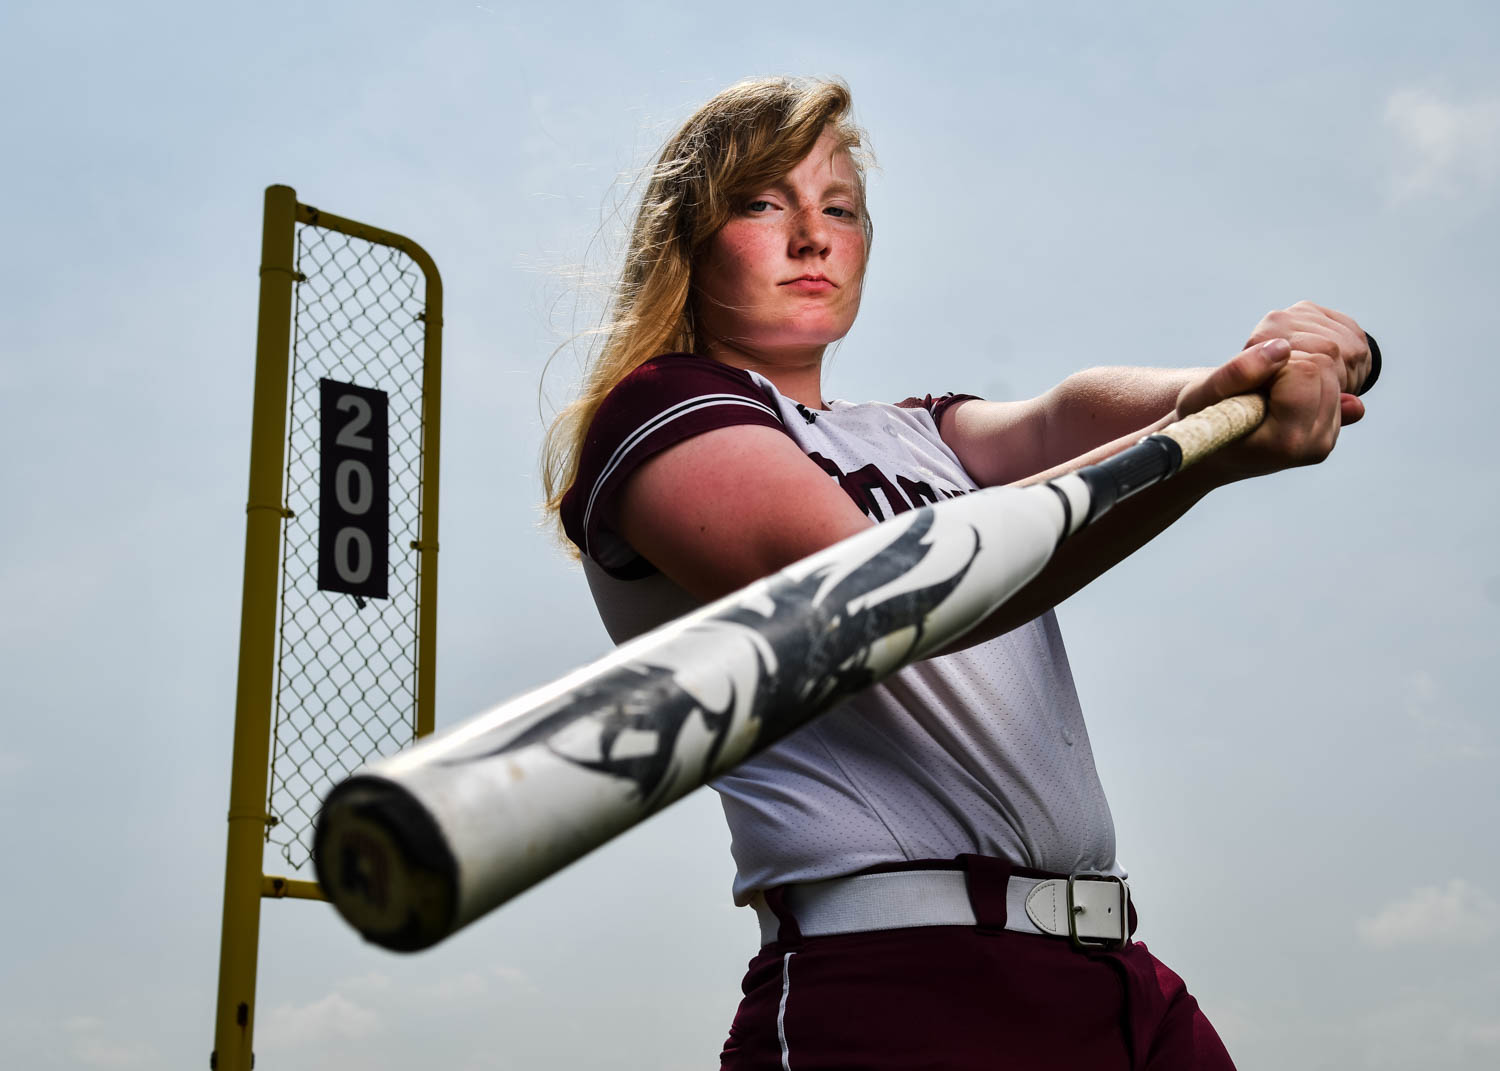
1374 365
385 865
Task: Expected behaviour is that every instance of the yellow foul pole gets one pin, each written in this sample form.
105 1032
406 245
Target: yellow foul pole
240 936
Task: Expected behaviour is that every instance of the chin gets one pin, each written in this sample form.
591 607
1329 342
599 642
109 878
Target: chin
816 332
801 343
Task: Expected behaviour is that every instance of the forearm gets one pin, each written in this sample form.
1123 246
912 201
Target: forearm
1002 442
1305 405
1098 405
1099 453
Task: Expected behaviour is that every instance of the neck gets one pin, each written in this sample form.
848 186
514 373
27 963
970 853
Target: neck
798 376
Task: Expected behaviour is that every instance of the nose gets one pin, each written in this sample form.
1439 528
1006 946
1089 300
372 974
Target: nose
809 234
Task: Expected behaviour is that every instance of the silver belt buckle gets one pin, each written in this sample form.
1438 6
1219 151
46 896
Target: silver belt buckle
1075 909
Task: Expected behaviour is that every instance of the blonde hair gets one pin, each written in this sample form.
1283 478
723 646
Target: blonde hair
749 135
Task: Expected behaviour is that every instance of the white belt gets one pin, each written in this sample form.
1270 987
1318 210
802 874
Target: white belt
1089 909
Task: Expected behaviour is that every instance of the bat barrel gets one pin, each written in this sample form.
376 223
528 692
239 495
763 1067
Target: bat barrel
415 846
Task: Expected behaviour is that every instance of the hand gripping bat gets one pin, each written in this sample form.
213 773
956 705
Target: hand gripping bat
413 847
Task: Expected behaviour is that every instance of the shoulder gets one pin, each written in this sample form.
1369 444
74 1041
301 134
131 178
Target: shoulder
672 387
666 400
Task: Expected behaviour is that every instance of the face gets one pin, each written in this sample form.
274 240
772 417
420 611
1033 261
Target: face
782 279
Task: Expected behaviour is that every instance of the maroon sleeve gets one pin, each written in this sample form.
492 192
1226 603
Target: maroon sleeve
666 400
937 406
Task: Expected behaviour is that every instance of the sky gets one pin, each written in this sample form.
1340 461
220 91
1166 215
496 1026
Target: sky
1288 693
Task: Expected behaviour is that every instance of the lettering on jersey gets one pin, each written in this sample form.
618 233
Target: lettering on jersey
919 492
862 484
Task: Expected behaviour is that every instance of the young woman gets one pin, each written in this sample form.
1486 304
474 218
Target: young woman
908 853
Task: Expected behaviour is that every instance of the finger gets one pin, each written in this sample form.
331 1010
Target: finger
1310 312
1330 410
1321 342
1346 321
1311 327
1275 324
1349 337
1247 371
1333 410
1351 410
1251 368
1348 354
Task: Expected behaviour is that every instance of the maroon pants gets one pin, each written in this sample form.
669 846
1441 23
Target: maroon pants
964 998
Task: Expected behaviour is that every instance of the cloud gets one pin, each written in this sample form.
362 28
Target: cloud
334 1018
1237 1023
1443 734
1458 912
96 1052
356 1008
1447 147
1424 1032
514 976
93 1050
371 982
454 988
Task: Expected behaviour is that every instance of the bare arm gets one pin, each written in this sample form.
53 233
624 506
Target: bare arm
759 503
1307 405
1003 442
1094 413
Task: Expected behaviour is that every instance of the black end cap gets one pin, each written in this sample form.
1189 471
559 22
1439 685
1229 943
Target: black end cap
1374 365
421 853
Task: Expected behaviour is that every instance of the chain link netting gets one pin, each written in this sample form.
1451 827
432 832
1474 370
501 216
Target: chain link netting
347 666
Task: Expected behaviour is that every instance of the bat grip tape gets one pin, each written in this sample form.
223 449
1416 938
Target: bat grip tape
1112 481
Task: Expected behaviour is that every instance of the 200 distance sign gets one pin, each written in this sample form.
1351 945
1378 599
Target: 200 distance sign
354 493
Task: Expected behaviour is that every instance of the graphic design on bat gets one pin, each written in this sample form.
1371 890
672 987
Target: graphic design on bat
628 722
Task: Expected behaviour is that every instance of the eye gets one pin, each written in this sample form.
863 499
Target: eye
757 207
839 212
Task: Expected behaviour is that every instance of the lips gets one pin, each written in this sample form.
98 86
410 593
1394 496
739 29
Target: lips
810 284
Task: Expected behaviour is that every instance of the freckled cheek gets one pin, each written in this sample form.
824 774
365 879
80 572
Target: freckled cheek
722 275
855 287
753 245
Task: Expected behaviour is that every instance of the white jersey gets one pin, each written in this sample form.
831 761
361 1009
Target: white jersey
983 751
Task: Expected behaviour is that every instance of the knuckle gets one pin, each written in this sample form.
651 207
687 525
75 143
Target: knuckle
1302 371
